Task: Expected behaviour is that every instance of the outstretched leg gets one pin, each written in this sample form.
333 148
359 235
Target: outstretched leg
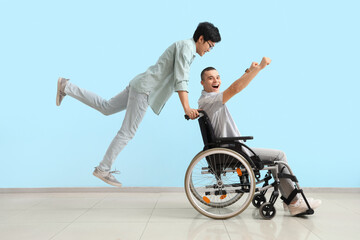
135 104
135 111
107 107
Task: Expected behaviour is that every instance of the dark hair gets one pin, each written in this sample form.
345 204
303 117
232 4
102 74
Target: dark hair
205 70
208 31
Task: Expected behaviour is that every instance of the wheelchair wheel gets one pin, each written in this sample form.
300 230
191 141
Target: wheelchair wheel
219 183
267 210
204 200
258 200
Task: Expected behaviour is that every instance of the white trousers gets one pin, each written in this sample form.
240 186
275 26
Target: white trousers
286 185
135 104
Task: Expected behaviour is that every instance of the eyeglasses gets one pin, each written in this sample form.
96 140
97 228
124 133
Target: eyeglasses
210 46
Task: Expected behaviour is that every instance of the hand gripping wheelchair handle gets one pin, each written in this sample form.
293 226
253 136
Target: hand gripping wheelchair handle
199 111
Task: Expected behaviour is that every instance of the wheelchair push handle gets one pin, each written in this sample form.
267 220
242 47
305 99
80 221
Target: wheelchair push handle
199 111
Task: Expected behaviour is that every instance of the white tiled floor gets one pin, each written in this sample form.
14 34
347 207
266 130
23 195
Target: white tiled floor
144 216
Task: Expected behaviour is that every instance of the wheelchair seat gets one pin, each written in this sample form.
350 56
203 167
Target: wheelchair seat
233 143
208 134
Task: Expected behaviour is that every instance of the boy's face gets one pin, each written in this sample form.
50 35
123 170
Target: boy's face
211 81
203 46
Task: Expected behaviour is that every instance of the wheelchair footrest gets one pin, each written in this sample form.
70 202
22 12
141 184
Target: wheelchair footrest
288 200
307 212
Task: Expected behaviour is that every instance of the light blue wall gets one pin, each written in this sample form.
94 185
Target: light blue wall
305 103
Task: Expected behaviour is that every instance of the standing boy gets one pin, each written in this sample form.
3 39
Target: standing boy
152 88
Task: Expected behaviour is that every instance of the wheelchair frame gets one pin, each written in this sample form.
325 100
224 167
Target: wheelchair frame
221 180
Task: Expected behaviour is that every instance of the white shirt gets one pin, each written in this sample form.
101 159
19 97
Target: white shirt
220 117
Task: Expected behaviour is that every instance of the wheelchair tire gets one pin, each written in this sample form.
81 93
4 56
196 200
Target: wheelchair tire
267 211
258 200
219 183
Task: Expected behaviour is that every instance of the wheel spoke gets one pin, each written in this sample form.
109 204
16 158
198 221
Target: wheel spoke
215 192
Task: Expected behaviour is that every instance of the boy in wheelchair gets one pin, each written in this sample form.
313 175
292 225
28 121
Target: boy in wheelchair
212 102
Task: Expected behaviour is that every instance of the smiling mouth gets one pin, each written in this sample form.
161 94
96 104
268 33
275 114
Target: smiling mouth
217 86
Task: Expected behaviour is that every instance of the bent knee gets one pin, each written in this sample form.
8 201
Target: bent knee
106 113
281 156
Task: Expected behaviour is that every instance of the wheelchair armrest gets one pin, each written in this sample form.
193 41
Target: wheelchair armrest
233 139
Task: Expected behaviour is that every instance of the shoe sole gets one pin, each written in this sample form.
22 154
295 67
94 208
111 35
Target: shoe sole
108 182
307 212
298 213
58 95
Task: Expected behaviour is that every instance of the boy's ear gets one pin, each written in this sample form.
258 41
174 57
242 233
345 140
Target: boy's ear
201 39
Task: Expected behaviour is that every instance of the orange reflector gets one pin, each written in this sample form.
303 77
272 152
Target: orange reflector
222 197
206 199
239 171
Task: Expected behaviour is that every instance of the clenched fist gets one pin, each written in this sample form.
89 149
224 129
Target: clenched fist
264 62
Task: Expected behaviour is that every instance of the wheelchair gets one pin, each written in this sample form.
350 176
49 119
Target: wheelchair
222 180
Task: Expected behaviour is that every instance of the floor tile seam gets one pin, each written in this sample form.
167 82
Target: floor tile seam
148 221
53 235
82 214
227 231
70 223
60 231
97 202
92 206
297 219
88 209
156 203
33 205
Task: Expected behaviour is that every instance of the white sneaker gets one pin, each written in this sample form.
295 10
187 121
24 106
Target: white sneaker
60 94
107 177
286 208
300 206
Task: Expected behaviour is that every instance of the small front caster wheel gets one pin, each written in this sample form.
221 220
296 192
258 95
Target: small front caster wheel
258 200
267 211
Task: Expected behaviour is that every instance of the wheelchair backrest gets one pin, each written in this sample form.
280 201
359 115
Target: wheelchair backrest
207 131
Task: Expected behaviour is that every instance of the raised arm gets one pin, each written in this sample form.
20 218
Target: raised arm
245 79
